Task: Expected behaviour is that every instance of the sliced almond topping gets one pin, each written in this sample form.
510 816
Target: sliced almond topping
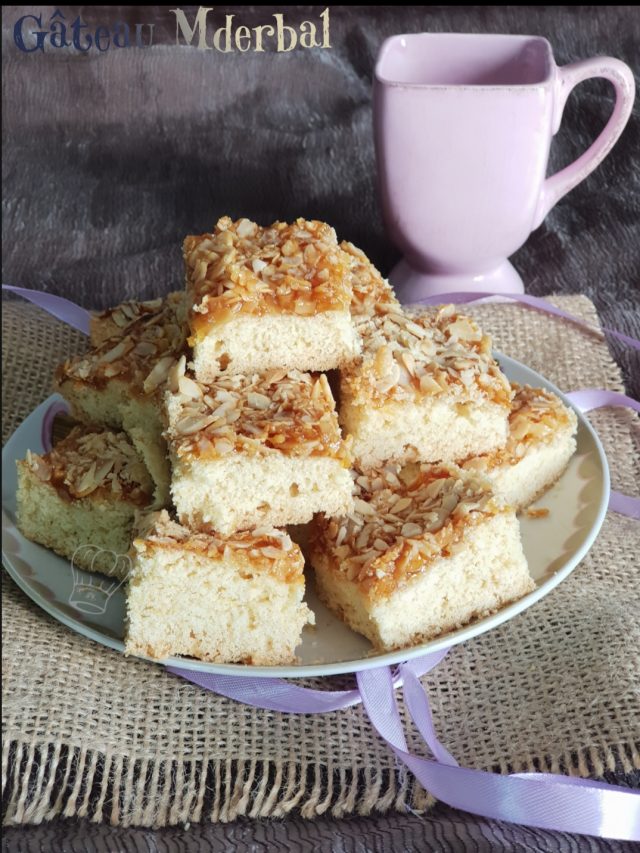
158 374
189 388
258 401
363 507
411 529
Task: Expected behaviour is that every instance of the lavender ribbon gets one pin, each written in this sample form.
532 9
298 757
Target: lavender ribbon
65 310
545 800
58 408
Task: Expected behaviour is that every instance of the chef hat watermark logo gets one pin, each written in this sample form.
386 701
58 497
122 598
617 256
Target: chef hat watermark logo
91 593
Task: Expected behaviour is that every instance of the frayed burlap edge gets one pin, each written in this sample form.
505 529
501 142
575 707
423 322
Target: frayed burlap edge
49 781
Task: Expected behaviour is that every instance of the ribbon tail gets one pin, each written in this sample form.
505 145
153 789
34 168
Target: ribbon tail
63 309
542 800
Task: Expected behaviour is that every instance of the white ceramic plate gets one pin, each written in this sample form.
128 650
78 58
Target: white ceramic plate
553 545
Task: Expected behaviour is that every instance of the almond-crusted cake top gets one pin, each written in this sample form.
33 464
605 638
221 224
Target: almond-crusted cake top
113 322
141 355
264 549
243 267
407 357
537 416
402 520
291 412
371 293
94 462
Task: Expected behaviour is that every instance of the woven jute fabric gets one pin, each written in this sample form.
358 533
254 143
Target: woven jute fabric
90 733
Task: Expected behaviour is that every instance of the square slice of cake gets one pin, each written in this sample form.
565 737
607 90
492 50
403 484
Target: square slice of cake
81 499
419 558
229 600
426 389
117 384
370 292
263 298
540 444
254 450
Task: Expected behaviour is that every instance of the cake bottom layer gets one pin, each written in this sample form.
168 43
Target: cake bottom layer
487 570
213 609
94 533
239 492
434 430
522 483
247 344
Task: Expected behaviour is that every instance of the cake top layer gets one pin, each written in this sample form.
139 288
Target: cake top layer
371 293
113 322
289 412
265 549
141 354
96 463
537 416
403 519
245 268
411 356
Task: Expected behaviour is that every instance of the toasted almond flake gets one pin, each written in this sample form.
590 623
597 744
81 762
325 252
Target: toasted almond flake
103 470
158 374
87 483
401 504
363 507
383 363
223 447
117 351
189 388
411 529
145 348
537 512
271 552
192 424
258 401
246 228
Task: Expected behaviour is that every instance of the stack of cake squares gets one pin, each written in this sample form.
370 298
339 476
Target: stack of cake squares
409 487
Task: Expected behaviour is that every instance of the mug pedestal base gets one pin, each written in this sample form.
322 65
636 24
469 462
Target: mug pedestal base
411 284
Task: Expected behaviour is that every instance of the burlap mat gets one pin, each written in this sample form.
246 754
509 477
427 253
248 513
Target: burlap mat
88 733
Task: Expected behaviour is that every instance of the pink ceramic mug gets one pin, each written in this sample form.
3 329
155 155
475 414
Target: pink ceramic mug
463 126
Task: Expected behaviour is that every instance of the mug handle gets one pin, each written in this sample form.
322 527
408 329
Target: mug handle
568 77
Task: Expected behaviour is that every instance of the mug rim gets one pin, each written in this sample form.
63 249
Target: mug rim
401 84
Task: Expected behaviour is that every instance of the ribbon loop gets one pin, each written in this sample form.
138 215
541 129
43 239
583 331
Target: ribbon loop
59 307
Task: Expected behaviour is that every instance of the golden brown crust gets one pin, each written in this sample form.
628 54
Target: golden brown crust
402 521
244 268
94 462
288 411
114 322
371 293
141 355
409 357
536 417
265 549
